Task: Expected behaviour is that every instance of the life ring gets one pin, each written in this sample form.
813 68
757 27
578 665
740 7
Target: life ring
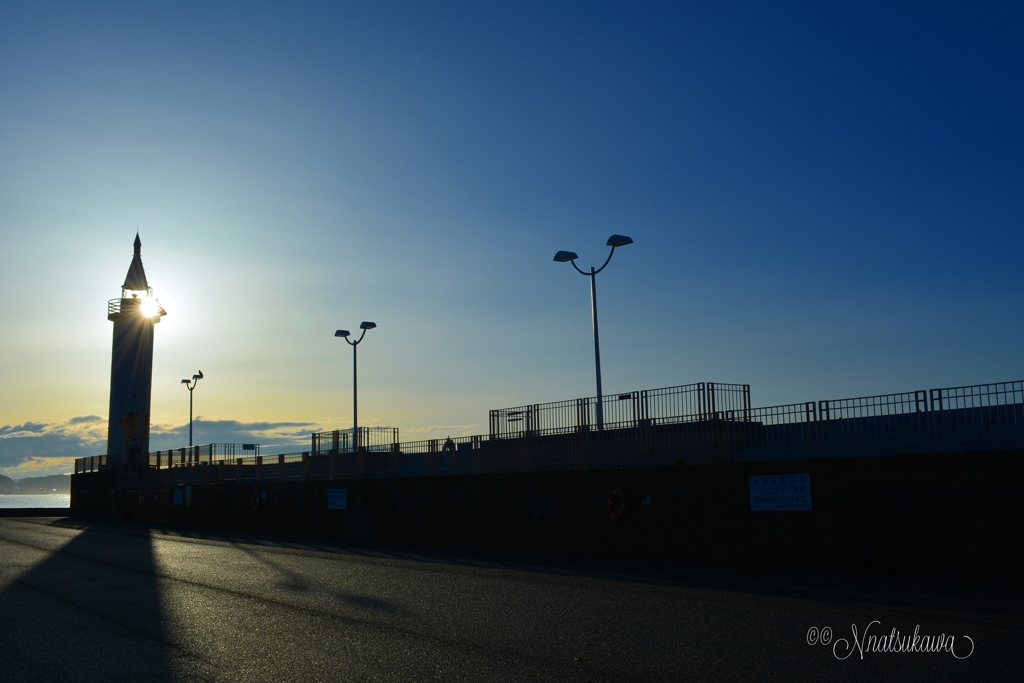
616 503
254 502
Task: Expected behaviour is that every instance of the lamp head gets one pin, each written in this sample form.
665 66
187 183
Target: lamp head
184 381
199 376
367 325
341 333
619 241
564 256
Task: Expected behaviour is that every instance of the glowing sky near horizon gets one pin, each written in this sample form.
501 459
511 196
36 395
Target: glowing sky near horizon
825 202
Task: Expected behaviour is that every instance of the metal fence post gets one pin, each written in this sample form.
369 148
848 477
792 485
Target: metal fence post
810 417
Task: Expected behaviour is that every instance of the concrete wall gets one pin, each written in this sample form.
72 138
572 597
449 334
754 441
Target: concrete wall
935 514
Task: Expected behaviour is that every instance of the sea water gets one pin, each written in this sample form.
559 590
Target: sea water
46 500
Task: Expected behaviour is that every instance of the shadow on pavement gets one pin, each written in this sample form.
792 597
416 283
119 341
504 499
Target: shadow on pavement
79 604
1002 598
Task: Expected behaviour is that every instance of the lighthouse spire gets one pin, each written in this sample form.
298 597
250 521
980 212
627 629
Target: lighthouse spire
136 277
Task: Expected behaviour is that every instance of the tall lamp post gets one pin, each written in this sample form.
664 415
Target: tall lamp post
191 385
614 242
364 326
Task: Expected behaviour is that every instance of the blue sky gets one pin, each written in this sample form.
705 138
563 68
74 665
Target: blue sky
825 202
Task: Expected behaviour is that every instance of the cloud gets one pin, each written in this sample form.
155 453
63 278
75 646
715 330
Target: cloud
22 429
50 448
456 430
277 437
38 448
85 418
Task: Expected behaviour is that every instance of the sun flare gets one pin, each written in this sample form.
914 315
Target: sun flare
149 307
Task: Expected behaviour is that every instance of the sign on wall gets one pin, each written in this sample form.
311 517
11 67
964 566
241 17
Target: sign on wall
337 499
780 492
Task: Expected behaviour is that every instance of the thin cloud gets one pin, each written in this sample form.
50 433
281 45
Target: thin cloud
83 419
458 430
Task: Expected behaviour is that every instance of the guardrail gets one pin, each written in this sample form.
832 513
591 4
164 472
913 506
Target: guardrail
969 418
210 453
685 403
93 463
376 439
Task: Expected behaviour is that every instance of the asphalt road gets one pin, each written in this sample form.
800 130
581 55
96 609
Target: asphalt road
130 602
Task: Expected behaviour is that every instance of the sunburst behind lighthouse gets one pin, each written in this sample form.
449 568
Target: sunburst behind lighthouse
131 366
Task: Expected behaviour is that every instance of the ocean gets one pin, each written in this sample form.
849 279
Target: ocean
46 500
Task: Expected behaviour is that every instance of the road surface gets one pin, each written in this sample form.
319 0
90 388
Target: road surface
88 601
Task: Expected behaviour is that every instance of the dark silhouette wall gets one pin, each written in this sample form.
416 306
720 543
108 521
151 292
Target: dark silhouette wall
934 514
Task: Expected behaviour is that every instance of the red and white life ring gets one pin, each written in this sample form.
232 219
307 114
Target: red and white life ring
616 503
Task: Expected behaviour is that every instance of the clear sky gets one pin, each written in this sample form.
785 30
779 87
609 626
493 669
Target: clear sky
826 202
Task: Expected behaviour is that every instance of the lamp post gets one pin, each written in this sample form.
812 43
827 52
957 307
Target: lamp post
364 326
191 385
614 241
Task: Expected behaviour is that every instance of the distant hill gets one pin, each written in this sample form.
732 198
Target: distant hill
7 484
48 484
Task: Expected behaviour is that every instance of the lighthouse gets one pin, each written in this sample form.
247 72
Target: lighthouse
131 365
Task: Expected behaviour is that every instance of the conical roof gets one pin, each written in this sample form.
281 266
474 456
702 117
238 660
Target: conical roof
136 277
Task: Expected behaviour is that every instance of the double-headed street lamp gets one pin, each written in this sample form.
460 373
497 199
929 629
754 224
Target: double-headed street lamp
364 326
614 241
191 385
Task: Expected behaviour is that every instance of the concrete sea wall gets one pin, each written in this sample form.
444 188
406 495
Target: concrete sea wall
955 513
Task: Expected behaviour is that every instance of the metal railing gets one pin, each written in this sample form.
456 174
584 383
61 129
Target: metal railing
686 403
209 453
969 418
373 439
92 463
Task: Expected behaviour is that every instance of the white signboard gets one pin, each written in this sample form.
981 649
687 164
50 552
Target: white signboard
337 499
780 492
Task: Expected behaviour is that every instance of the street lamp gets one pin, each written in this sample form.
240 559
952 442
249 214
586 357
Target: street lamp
191 385
614 241
364 326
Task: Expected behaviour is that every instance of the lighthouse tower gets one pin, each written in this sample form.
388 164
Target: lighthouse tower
131 366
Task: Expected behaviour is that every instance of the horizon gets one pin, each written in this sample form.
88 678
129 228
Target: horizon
825 203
